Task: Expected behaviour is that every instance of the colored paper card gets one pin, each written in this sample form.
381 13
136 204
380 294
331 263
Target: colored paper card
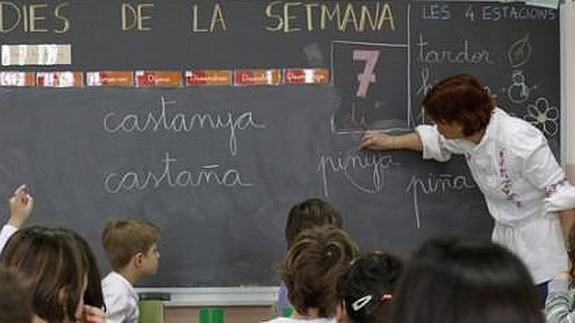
40 54
158 79
306 76
553 4
257 77
110 78
208 78
16 79
59 79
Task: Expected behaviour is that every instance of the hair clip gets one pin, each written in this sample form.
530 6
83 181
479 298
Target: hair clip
386 297
360 303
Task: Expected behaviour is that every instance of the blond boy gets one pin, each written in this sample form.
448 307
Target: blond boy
132 249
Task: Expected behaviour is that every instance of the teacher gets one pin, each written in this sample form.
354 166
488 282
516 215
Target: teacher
526 190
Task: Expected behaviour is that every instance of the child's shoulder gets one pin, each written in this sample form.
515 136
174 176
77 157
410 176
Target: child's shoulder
279 320
116 281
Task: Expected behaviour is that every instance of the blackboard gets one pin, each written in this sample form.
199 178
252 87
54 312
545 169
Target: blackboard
217 168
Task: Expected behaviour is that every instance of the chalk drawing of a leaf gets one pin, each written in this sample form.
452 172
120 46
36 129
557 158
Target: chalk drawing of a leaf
520 52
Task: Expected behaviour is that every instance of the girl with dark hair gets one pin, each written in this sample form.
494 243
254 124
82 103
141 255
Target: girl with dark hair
311 269
453 281
14 298
21 206
526 190
56 266
93 295
367 288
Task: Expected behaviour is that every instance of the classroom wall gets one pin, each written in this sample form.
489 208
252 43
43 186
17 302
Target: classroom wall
568 81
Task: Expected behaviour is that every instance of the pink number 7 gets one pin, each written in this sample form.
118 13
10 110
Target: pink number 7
370 57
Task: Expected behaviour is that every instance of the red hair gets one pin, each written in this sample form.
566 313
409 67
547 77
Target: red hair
460 99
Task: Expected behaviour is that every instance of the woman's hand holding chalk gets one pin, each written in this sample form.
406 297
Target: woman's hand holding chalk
377 141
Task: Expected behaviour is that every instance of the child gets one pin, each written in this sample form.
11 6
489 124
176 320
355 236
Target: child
56 268
366 289
308 214
131 247
21 205
310 270
559 307
14 298
455 281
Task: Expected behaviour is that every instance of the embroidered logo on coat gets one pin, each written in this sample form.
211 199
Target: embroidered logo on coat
506 183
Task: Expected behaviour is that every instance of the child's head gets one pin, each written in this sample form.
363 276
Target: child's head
133 242
367 287
14 298
312 267
571 254
54 266
309 214
453 281
93 295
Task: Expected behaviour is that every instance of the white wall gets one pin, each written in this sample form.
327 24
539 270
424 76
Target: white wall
568 87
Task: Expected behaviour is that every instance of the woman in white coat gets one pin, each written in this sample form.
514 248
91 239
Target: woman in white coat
526 190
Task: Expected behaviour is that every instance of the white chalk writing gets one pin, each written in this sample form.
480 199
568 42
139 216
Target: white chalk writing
374 163
496 13
461 56
434 184
425 82
180 122
211 174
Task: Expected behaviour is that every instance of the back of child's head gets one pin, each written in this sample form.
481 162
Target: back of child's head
93 295
455 281
51 261
367 287
571 254
309 214
123 239
14 298
312 267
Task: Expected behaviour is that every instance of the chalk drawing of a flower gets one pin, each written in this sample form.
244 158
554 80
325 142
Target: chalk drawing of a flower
544 116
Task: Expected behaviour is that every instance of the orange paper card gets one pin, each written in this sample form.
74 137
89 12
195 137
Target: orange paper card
158 79
110 78
208 77
59 79
16 79
257 77
306 76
